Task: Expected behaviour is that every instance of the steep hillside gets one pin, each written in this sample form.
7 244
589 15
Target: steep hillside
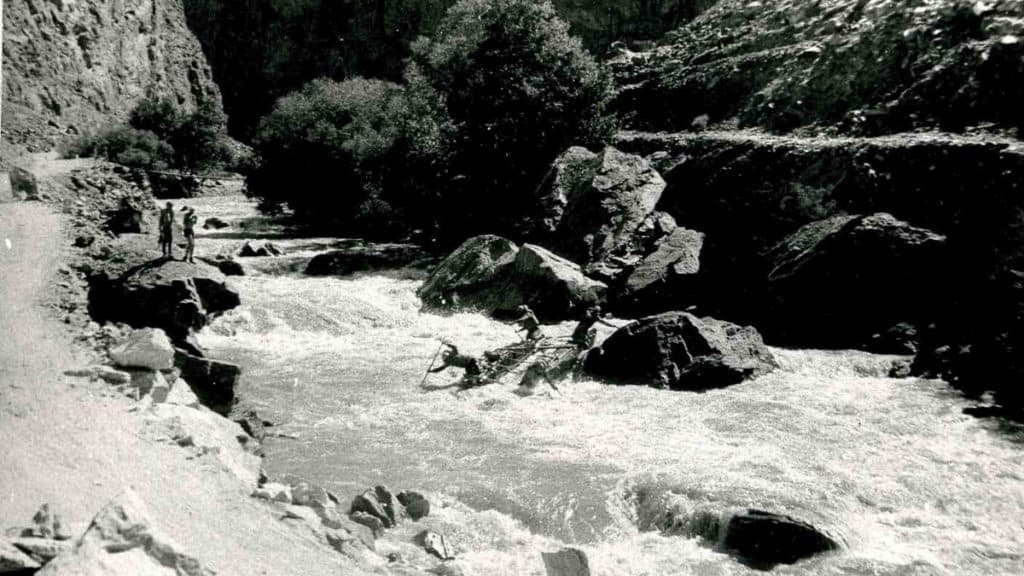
865 66
70 67
262 49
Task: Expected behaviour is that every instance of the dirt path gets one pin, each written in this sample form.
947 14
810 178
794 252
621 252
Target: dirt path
76 443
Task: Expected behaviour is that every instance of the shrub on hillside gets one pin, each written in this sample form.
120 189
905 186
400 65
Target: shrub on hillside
517 90
124 145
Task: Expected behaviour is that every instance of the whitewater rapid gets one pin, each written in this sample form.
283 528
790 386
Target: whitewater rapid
891 468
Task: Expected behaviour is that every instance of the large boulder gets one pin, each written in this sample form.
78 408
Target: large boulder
23 184
488 273
665 279
212 381
175 296
840 281
472 269
764 539
679 351
122 541
592 204
15 561
363 258
144 348
128 218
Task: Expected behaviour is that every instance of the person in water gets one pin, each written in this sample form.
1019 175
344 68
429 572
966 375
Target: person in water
189 225
529 324
584 334
167 230
473 375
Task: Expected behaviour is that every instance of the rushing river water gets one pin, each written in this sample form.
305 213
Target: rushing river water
891 468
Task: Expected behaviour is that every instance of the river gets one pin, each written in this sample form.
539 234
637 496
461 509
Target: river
891 468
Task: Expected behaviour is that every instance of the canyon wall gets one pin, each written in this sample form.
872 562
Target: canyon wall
73 66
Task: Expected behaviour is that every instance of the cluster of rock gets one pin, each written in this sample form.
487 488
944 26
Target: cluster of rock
120 540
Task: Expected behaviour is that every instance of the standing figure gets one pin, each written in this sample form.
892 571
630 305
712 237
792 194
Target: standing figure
189 225
584 334
528 323
167 230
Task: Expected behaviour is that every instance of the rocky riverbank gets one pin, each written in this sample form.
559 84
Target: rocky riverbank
110 431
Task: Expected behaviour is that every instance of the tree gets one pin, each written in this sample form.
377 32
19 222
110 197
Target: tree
517 90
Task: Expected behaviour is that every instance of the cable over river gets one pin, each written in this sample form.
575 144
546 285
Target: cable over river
892 469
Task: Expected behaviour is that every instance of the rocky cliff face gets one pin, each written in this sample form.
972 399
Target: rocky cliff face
72 66
864 66
262 49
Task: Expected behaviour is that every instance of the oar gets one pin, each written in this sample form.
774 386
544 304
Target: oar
432 360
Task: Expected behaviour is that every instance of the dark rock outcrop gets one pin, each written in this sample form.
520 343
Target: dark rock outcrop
666 279
840 281
566 562
372 257
416 505
176 296
226 264
489 273
679 351
592 204
215 223
764 539
129 218
379 503
212 381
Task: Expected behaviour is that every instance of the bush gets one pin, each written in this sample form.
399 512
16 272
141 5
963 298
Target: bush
518 90
158 115
201 139
124 145
328 148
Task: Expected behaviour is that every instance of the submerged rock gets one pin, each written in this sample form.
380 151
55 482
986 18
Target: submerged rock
838 282
362 259
566 562
253 249
144 348
491 274
122 541
764 539
679 351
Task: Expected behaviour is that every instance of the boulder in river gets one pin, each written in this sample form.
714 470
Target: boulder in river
679 351
226 264
144 348
122 541
416 505
377 503
363 258
764 539
435 544
252 249
837 282
592 204
214 223
491 274
175 296
473 268
666 279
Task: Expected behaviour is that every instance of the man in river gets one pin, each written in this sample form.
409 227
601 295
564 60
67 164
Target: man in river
167 230
189 225
584 334
529 324
453 359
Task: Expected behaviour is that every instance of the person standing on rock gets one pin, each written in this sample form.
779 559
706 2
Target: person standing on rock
585 333
189 225
167 230
528 323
